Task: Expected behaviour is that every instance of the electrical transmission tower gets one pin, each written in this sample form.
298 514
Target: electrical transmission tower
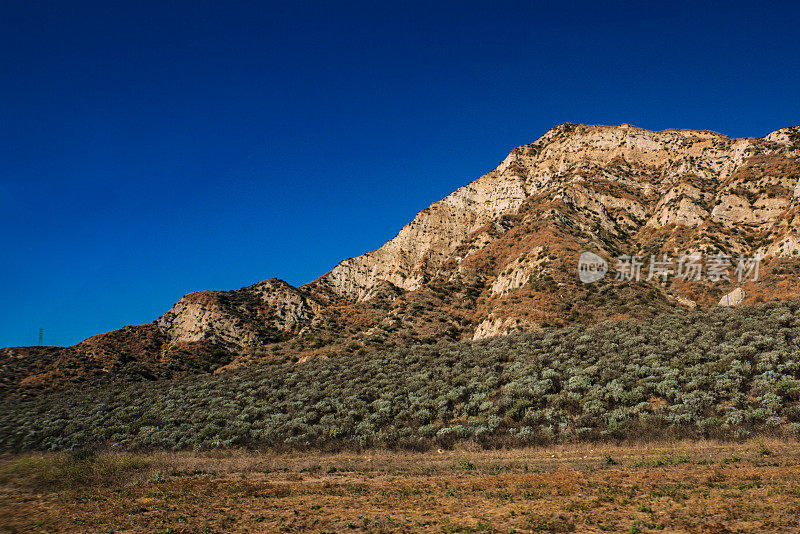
41 337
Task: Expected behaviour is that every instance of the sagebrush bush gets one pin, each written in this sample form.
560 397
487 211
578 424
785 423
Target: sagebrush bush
720 373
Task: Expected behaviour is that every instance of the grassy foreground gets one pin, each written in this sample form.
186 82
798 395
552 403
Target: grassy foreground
704 486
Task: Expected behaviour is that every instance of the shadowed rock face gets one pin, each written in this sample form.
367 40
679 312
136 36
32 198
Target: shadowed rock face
498 255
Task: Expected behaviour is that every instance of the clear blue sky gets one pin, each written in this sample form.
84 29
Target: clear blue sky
149 149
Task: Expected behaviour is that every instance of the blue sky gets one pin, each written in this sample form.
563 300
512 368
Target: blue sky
150 149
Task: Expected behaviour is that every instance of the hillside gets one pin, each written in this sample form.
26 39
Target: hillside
725 373
497 256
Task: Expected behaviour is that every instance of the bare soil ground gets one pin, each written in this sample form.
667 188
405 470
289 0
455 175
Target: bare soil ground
702 487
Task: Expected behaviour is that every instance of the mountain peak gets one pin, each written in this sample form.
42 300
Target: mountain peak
499 254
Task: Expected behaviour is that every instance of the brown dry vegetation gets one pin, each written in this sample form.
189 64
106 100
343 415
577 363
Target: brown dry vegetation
672 487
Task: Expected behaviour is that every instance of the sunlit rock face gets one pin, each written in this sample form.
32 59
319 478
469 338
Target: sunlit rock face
604 180
672 177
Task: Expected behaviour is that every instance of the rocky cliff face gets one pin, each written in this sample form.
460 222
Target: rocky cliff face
499 254
674 177
246 317
695 191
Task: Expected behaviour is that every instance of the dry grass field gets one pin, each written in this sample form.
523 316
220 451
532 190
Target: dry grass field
703 487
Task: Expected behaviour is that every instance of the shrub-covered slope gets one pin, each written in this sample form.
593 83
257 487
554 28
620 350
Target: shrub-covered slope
723 373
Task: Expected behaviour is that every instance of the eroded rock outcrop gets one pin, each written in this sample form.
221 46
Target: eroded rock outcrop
674 177
616 180
246 317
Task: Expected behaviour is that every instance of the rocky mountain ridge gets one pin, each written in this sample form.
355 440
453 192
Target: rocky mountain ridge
497 255
558 162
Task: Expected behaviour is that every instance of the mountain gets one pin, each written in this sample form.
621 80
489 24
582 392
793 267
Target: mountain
496 256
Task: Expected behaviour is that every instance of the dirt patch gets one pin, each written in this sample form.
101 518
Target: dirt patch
701 487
